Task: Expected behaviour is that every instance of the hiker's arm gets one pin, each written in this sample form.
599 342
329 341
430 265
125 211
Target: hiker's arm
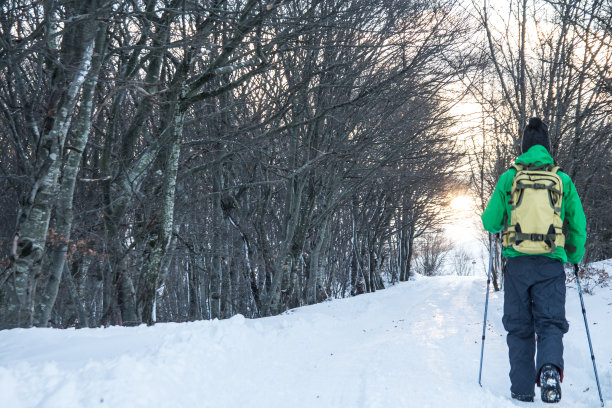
576 224
493 215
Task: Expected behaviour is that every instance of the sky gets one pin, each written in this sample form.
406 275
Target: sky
464 230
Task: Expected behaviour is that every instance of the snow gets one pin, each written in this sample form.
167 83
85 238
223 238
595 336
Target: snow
416 344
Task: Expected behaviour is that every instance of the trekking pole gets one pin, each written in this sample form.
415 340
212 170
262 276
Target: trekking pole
576 269
484 324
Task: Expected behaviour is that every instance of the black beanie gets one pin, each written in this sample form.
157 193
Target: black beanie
535 133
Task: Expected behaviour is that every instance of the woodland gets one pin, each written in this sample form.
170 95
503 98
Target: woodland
180 160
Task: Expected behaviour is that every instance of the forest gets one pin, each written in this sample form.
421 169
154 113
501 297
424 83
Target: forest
180 160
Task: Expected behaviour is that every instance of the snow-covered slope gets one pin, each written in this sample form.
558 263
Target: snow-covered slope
416 344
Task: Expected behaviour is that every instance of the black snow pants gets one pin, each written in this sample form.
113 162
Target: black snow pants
534 303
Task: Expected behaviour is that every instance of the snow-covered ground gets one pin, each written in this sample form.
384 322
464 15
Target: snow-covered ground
416 344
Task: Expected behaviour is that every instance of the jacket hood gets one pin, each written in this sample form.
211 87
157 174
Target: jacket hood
537 154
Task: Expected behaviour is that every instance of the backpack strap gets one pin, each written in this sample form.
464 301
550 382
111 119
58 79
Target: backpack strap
519 236
537 186
534 167
530 166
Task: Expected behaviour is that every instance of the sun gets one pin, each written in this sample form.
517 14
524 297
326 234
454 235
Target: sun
462 203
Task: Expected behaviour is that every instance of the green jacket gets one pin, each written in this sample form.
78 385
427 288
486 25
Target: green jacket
498 208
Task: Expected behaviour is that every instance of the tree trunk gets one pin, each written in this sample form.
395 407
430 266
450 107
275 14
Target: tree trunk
63 214
216 261
35 213
315 292
83 316
151 275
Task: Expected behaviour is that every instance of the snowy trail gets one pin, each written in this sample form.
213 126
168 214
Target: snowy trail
413 345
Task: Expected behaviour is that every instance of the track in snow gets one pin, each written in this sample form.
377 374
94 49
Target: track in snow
416 344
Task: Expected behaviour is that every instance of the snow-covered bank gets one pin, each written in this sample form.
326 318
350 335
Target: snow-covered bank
413 345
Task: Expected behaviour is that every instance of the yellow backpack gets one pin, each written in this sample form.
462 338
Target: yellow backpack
535 225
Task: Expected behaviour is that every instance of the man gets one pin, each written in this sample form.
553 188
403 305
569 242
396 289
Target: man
534 287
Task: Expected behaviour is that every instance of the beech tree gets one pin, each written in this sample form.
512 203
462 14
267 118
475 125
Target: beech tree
172 160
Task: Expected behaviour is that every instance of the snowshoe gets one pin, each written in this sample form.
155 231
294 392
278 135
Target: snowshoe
550 381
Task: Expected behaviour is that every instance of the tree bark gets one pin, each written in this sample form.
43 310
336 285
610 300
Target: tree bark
152 275
35 212
62 224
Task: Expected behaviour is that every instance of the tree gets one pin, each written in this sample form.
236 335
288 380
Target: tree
552 68
201 159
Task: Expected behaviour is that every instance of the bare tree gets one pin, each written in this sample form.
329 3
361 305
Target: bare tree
546 59
194 160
